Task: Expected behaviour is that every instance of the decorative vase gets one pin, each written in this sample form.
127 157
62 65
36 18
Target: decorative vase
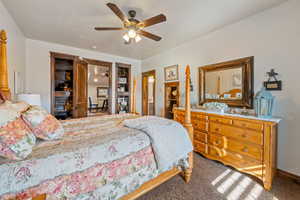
263 103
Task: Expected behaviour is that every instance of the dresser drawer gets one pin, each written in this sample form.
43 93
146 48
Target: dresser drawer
253 151
200 136
220 120
217 141
238 133
236 160
180 120
199 116
200 147
249 125
200 125
179 116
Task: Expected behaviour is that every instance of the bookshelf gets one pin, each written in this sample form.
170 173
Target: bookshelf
123 80
63 90
172 97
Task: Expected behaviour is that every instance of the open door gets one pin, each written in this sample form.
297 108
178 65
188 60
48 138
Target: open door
148 93
80 89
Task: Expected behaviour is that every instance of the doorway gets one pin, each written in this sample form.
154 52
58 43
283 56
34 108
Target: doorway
99 88
68 86
148 92
70 78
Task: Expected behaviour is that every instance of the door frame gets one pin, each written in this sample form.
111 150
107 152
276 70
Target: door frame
147 74
54 55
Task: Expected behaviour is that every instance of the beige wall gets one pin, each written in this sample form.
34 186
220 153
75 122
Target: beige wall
273 37
15 48
38 67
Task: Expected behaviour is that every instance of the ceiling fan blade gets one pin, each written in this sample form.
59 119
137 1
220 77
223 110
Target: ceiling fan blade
150 35
153 20
117 11
108 28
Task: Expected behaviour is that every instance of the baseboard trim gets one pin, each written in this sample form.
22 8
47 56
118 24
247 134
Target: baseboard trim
289 175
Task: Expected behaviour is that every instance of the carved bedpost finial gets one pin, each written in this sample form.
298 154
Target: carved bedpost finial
3 66
187 120
3 36
188 71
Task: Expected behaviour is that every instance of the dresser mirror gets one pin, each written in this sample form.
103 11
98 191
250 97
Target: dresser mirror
228 82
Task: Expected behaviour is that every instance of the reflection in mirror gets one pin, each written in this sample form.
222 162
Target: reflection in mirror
229 82
224 84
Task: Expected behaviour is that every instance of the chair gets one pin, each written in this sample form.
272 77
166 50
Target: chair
105 105
93 107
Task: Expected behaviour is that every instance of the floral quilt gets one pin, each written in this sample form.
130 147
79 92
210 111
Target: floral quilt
98 158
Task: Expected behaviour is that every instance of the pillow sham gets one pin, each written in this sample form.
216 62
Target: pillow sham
16 138
20 106
43 125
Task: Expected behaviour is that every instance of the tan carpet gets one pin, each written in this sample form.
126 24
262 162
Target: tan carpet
214 181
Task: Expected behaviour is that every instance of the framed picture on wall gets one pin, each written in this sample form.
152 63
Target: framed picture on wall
102 91
171 73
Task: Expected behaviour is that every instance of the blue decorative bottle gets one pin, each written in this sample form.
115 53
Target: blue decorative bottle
263 103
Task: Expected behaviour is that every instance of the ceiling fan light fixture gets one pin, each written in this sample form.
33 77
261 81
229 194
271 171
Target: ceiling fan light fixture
126 37
131 33
137 38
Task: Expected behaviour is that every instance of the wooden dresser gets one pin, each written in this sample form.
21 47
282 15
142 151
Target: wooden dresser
245 143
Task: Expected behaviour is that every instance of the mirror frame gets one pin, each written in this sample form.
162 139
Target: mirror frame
247 87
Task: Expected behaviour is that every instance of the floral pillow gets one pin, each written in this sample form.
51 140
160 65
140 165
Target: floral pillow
43 125
16 138
21 106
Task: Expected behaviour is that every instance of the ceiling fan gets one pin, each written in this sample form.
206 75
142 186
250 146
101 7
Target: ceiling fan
133 27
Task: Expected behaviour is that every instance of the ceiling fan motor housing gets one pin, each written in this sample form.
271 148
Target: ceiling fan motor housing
132 13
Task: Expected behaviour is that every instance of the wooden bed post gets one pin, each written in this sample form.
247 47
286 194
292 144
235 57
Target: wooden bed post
187 121
4 89
133 97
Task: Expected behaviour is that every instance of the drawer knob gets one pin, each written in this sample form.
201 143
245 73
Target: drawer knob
217 129
217 142
245 149
244 135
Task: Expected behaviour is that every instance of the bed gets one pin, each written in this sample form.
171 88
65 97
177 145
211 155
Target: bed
97 158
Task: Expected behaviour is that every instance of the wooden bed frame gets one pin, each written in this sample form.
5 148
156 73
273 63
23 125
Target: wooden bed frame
6 94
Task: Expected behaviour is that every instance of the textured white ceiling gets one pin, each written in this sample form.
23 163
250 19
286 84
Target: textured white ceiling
71 22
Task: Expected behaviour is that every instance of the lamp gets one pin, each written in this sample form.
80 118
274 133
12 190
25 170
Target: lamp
32 99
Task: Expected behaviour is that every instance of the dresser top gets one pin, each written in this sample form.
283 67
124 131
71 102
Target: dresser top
272 119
